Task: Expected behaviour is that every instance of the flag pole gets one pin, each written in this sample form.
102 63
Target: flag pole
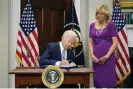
28 49
28 44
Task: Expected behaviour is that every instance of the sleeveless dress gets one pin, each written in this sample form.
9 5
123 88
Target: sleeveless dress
105 75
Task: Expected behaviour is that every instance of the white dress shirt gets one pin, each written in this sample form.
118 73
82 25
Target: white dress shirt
61 50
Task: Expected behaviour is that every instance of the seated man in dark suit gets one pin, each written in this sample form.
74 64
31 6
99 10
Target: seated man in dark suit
60 53
55 53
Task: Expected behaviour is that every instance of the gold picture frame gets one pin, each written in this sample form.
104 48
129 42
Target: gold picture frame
125 3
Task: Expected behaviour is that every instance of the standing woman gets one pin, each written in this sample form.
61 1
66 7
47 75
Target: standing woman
102 45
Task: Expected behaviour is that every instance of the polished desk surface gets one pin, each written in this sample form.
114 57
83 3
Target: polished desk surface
38 70
26 75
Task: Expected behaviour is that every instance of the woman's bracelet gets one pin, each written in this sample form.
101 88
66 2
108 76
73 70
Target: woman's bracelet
106 56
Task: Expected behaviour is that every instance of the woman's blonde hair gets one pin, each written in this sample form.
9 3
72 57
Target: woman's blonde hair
105 10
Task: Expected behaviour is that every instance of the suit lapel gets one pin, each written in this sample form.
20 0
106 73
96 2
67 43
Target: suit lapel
59 52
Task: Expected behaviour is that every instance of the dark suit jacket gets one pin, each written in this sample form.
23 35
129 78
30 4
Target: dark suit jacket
52 54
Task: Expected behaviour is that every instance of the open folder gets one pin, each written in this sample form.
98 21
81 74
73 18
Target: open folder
66 66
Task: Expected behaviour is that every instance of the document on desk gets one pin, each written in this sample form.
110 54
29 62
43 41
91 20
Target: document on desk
68 66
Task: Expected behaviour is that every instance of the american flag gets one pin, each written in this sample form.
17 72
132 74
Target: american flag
122 63
27 49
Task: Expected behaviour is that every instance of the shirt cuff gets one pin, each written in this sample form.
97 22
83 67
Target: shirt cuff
57 63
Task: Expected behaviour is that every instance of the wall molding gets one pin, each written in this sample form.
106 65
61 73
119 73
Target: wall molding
14 16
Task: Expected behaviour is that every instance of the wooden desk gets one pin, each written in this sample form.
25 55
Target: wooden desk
26 75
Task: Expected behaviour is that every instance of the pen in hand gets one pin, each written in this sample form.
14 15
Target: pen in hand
67 60
64 62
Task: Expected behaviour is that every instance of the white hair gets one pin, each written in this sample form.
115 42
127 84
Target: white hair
69 33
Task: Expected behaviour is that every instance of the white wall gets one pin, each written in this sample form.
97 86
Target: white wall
14 23
4 34
129 30
92 7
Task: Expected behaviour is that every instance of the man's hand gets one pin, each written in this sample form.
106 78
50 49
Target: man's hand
64 62
72 64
